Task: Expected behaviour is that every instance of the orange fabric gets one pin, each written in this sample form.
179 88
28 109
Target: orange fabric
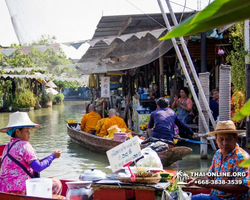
110 122
238 100
99 125
89 121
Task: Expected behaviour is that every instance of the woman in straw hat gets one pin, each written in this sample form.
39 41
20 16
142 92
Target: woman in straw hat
225 177
19 161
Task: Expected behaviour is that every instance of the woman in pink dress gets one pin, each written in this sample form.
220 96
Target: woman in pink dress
19 161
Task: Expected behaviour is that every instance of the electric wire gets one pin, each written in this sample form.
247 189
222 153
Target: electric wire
146 14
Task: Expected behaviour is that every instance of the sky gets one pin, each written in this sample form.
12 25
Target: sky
70 20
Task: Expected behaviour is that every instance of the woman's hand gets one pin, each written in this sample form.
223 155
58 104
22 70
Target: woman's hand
57 154
178 102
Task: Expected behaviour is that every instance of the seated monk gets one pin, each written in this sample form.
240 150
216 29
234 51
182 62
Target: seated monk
112 120
89 121
100 123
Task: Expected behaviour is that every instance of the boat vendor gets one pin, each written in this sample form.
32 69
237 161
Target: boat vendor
163 120
233 183
89 120
112 120
19 160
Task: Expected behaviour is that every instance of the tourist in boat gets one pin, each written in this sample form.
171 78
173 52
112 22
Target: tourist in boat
112 120
163 120
89 120
234 183
19 161
184 106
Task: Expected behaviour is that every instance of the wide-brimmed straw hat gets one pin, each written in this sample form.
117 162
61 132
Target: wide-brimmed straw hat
225 127
19 119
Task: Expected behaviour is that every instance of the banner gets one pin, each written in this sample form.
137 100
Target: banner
105 87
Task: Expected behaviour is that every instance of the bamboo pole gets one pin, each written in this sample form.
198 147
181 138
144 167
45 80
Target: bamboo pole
177 50
190 62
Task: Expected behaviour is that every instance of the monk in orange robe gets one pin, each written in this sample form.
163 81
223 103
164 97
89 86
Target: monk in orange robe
89 121
112 120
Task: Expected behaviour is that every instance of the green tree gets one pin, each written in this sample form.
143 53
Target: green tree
56 62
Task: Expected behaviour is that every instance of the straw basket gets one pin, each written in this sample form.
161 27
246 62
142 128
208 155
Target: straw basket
147 180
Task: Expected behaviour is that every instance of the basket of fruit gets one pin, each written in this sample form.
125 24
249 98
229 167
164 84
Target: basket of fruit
146 177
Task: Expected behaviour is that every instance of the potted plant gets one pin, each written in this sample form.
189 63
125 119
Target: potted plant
47 99
59 98
24 100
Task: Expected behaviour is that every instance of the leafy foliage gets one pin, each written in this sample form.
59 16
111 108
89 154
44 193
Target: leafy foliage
36 58
59 97
49 57
46 97
244 111
216 14
24 99
237 58
70 84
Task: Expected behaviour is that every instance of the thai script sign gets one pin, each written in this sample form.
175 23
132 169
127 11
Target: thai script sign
124 153
105 87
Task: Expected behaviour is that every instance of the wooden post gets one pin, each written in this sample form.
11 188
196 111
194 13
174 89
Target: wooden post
146 77
124 82
225 93
103 108
204 80
161 79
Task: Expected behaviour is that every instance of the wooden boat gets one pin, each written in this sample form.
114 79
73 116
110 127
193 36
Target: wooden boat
101 145
8 196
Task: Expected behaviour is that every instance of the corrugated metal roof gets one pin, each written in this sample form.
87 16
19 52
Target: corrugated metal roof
110 26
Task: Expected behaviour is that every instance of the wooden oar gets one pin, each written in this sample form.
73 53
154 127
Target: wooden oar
179 138
192 141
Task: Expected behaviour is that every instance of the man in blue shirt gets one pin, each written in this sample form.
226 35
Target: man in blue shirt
163 120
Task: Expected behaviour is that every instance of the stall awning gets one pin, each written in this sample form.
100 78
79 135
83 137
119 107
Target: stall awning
130 41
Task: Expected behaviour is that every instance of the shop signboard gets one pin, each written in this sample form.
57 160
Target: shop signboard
105 87
124 153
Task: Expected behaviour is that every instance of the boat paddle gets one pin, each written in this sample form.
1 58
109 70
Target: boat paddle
179 138
188 140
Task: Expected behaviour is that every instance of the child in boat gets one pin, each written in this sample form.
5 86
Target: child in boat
19 161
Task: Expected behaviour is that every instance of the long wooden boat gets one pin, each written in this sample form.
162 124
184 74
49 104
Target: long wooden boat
8 196
101 145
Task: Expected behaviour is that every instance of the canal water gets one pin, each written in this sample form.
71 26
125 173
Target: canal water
75 159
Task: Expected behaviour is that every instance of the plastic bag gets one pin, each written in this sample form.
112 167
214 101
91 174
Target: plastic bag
183 195
150 159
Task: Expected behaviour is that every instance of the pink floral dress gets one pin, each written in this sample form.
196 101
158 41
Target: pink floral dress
12 176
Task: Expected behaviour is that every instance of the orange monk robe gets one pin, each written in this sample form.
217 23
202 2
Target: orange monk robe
99 125
89 121
110 122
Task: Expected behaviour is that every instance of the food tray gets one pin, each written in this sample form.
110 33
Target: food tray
54 196
146 180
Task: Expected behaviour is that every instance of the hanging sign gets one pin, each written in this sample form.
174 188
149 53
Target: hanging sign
105 87
124 153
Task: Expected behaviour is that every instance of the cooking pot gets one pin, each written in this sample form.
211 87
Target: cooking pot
92 175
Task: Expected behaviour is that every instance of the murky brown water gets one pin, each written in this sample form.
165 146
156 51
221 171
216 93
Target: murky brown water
75 159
